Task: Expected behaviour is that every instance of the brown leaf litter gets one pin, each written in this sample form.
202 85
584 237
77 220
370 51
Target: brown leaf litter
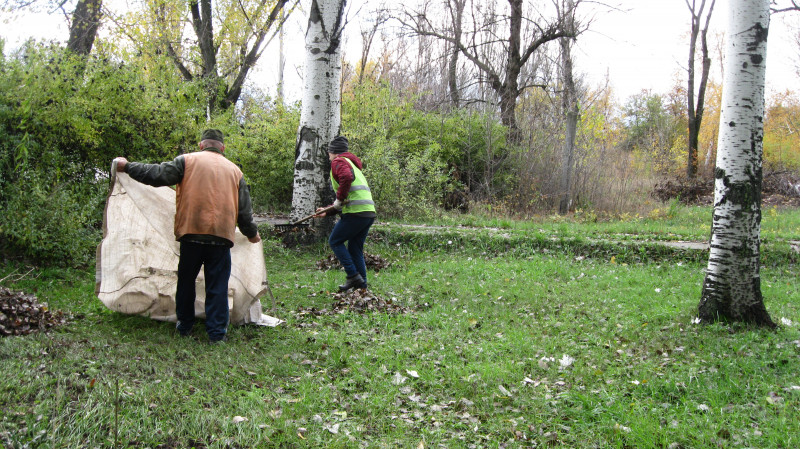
373 262
358 301
22 314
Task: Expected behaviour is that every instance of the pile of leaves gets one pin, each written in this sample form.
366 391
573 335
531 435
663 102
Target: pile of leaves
778 188
373 261
687 192
356 300
22 314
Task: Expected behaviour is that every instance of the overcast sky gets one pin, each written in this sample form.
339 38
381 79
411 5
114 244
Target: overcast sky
643 45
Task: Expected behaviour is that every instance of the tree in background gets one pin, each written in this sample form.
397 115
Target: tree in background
502 61
695 111
84 26
732 286
570 110
652 125
229 37
782 133
320 116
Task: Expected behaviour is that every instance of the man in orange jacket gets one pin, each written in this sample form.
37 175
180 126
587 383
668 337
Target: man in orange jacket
211 198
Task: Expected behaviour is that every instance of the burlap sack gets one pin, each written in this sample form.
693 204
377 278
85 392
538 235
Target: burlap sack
137 261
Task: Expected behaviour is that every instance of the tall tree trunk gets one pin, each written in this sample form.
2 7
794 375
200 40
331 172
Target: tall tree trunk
456 15
281 61
695 112
320 116
570 108
204 29
732 286
83 29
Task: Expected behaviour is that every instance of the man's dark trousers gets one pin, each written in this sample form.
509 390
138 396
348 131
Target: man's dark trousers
216 260
353 230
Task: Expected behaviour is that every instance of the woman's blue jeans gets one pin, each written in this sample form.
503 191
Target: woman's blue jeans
353 230
216 262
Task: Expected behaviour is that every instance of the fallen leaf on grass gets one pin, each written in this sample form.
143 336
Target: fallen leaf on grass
412 373
504 390
773 398
239 419
620 428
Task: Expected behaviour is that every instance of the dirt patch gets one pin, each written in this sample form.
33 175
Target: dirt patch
373 262
781 189
22 314
357 301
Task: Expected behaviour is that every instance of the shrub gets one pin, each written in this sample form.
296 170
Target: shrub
62 120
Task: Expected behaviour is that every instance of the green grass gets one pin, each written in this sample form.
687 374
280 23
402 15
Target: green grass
476 364
670 222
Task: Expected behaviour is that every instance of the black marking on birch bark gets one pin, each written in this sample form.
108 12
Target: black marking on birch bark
306 134
759 36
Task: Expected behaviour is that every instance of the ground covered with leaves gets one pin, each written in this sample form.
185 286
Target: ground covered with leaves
781 189
22 314
495 346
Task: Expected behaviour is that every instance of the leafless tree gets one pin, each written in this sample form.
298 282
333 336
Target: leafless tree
381 16
456 10
779 6
220 93
695 110
515 51
570 108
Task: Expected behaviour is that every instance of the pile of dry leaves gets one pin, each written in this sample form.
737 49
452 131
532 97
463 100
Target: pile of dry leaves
21 314
358 301
373 261
778 188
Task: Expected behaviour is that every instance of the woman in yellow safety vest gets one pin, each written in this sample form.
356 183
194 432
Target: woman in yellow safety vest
354 202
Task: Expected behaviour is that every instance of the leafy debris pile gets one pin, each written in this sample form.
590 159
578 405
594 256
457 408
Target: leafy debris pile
778 188
686 191
373 261
21 314
356 300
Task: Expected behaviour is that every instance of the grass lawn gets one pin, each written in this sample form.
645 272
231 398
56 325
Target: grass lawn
507 346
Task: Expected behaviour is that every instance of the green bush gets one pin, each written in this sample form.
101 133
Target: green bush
62 120
261 139
413 158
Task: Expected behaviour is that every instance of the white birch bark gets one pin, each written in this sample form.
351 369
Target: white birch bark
320 115
732 287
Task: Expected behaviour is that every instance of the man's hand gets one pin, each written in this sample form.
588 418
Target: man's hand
121 163
320 212
338 204
255 239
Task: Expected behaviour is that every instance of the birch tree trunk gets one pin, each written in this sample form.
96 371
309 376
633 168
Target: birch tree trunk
732 287
320 115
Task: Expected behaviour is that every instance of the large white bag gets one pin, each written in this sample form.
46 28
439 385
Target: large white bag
137 261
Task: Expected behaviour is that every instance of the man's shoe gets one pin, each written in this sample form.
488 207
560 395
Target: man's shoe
355 281
218 340
182 332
